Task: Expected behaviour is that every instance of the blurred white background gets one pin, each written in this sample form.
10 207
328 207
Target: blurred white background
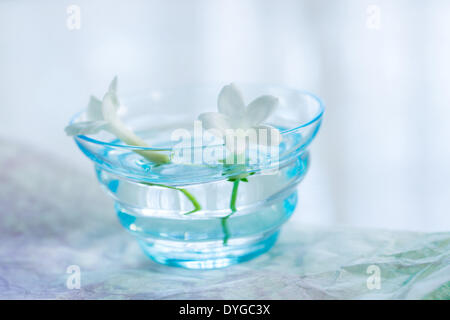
382 158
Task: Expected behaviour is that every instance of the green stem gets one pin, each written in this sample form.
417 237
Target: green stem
234 196
192 199
197 206
224 220
226 232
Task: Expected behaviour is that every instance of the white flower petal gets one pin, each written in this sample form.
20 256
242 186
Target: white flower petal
260 109
85 127
113 91
268 135
230 101
110 105
109 109
215 120
113 85
94 110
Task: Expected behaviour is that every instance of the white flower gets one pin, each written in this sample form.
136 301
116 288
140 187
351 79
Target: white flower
94 120
102 115
235 119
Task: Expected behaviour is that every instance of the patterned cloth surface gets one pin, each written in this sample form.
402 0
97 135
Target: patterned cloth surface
53 216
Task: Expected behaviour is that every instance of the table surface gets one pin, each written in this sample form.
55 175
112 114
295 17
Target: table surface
53 216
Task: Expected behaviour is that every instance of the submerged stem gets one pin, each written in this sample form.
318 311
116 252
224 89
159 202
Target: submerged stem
226 232
192 199
224 220
197 206
234 196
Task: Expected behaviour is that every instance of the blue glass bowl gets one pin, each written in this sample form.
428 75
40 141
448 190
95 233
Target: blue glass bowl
183 214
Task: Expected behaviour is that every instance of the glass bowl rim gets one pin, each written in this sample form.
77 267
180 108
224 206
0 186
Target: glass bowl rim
317 117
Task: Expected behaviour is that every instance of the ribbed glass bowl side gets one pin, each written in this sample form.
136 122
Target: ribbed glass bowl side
157 217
